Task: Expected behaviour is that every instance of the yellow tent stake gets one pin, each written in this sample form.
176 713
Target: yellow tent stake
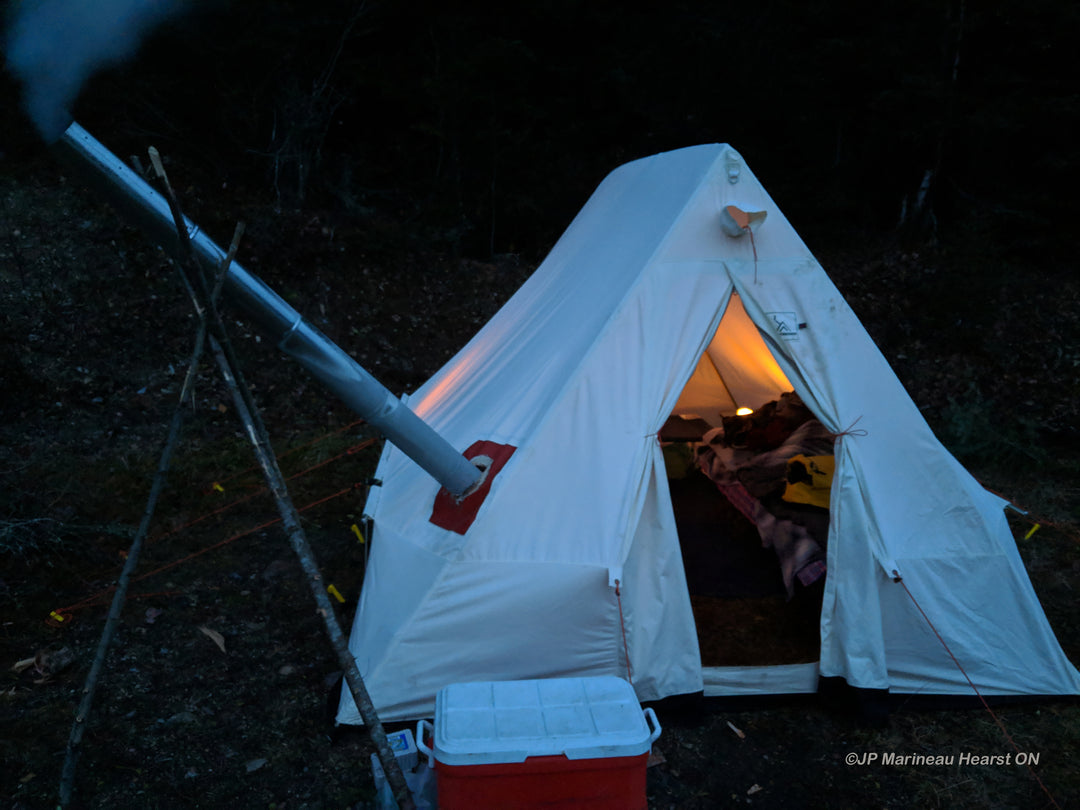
1032 531
359 534
330 589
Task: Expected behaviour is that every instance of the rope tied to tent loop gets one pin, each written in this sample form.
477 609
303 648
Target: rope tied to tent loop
851 430
622 626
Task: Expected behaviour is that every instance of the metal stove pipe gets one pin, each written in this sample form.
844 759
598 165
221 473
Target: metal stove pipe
280 322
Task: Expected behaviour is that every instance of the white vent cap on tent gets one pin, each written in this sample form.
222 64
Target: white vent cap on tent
732 166
735 221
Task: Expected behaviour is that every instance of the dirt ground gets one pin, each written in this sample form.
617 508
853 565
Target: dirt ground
221 686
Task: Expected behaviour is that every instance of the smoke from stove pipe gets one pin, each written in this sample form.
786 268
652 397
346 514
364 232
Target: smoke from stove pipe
54 46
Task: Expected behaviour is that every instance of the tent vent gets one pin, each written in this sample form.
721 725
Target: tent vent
736 222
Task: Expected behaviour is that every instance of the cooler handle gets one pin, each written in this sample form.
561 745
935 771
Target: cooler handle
650 718
422 746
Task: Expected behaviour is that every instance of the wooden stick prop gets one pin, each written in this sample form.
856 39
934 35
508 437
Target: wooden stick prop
78 727
248 412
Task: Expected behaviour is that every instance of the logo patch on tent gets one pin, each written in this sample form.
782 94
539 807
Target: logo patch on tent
785 325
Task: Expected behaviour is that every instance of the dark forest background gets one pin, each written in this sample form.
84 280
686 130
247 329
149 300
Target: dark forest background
484 130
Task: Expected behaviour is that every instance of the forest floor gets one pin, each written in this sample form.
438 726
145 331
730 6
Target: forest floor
221 686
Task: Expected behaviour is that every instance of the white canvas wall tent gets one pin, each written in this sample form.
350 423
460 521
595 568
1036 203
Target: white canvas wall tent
657 301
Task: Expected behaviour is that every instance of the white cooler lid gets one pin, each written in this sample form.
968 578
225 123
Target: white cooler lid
508 721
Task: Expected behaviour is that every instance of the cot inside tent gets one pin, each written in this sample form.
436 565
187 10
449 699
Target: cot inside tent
594 553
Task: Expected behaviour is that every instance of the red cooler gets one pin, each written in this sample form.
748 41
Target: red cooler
524 745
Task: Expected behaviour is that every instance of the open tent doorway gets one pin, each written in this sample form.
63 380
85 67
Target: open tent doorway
738 413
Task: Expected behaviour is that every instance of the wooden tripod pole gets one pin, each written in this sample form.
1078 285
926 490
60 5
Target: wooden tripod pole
78 726
257 434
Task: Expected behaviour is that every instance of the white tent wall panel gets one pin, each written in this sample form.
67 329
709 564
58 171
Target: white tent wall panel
399 576
998 633
494 621
852 627
660 630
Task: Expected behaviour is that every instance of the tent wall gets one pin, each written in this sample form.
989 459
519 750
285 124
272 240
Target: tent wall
657 601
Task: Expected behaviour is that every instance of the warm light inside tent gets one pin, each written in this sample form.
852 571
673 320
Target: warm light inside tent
736 366
744 411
